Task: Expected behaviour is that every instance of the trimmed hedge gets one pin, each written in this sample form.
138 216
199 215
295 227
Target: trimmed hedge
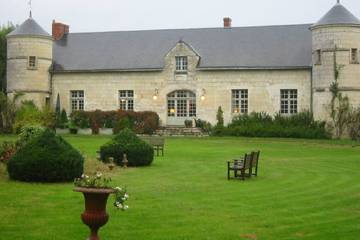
301 125
140 122
139 153
46 158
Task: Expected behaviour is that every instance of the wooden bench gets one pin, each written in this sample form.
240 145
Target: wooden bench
156 142
247 166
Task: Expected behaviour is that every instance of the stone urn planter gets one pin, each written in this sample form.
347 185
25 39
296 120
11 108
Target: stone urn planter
95 215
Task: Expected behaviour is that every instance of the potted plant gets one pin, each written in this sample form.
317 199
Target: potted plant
96 191
73 128
188 123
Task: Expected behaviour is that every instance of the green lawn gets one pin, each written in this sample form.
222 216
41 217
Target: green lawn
305 190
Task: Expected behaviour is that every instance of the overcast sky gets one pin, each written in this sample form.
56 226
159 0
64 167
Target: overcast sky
113 15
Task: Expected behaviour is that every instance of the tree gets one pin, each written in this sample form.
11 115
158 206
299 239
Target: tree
354 124
220 117
4 30
8 109
339 105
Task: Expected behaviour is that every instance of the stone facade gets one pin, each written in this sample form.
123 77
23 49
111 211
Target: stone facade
35 83
102 89
207 88
326 39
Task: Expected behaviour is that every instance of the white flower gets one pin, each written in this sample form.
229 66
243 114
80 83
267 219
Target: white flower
119 205
98 175
83 176
125 207
118 188
126 196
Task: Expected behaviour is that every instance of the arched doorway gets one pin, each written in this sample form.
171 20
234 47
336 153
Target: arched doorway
181 106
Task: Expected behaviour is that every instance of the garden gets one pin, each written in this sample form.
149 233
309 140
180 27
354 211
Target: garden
306 189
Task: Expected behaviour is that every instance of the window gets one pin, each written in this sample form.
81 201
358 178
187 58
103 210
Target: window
47 101
318 57
354 56
32 62
240 101
77 100
288 101
126 98
181 64
181 104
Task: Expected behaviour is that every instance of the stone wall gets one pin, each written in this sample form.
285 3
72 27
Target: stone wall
101 89
325 39
33 82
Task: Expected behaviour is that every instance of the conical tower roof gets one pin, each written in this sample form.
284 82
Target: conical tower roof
29 28
338 15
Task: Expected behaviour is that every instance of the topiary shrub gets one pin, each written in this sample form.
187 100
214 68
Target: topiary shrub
139 153
46 158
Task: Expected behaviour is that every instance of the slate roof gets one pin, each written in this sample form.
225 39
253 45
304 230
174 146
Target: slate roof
338 15
286 46
29 27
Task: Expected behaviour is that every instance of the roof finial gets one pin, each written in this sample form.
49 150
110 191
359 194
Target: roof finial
338 1
29 3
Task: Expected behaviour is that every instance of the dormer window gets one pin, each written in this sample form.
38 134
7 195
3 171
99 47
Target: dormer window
354 56
318 57
181 64
32 62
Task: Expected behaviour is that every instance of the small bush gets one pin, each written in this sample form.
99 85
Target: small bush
139 153
188 123
46 158
7 150
203 125
29 114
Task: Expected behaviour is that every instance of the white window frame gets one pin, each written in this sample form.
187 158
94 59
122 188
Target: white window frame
239 101
126 100
181 63
288 101
77 100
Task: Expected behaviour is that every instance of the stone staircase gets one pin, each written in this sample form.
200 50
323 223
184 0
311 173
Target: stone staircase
180 131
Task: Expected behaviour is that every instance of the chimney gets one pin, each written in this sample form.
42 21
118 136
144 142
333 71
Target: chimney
59 30
227 22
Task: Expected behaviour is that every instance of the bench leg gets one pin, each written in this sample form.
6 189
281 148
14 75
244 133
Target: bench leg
243 174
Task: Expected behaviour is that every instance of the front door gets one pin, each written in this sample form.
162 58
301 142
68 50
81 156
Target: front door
181 106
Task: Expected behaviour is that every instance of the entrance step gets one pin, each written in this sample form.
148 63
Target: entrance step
180 131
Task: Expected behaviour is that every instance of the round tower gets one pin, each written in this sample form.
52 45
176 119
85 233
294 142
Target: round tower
335 42
29 57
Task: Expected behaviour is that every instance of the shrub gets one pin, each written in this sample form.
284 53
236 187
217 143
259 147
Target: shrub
29 114
63 120
220 117
46 158
354 124
140 122
28 133
301 125
122 124
139 153
80 119
7 150
188 123
203 125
